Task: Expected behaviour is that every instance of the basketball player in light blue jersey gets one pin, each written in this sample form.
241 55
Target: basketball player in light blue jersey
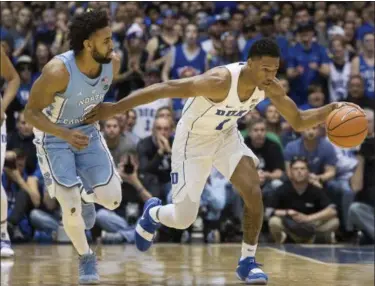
207 136
69 152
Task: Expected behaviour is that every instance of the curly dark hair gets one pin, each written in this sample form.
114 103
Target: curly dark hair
84 25
264 47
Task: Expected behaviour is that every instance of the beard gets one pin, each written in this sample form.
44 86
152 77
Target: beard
100 59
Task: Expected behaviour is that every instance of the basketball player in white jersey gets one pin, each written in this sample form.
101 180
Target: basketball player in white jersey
207 136
12 79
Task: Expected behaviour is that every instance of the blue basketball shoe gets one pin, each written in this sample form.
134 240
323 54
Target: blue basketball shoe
248 271
88 274
146 227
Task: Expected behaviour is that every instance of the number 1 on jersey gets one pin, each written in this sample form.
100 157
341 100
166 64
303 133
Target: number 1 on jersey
221 125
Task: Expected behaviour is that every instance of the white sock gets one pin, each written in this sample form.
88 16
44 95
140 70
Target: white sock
248 250
153 212
4 215
4 231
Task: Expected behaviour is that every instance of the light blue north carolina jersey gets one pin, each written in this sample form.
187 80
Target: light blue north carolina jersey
81 95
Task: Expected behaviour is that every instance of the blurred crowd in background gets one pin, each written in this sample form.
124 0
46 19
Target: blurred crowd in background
313 191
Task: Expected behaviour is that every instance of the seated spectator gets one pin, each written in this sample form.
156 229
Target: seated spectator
271 161
300 210
273 124
356 89
320 154
315 97
361 212
46 217
155 157
117 225
22 138
22 197
118 144
130 122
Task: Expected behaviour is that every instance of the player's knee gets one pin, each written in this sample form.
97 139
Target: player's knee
183 222
109 196
70 202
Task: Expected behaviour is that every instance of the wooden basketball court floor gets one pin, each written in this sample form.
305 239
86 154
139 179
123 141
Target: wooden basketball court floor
197 264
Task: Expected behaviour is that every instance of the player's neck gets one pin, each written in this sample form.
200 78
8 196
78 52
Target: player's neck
88 66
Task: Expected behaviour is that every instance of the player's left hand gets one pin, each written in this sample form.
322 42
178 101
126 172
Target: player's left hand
102 111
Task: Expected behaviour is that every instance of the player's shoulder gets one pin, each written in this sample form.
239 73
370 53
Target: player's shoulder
55 72
219 76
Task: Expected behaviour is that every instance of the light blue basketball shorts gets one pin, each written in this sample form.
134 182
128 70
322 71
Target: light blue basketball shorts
64 165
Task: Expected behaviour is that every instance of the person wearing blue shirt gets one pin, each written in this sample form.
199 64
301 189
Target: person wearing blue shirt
368 23
364 64
267 29
319 153
308 63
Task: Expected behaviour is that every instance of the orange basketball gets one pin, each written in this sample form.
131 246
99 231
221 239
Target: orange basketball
346 127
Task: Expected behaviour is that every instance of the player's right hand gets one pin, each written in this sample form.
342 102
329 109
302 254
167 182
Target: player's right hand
77 139
102 111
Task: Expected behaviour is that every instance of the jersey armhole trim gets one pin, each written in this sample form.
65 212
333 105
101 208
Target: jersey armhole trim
230 88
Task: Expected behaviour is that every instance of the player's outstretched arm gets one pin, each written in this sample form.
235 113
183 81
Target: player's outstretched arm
298 119
54 79
9 73
211 84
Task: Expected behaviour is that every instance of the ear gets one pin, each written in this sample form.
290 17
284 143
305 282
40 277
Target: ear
87 44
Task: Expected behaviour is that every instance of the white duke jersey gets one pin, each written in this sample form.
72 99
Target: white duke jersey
202 116
146 116
338 82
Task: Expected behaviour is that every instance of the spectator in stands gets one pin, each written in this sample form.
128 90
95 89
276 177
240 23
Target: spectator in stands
185 60
155 157
273 124
46 32
216 27
118 143
300 210
364 64
307 64
302 16
22 197
24 69
22 33
45 217
350 41
315 97
146 113
129 123
271 161
22 138
7 21
133 63
356 90
267 29
340 69
320 154
42 56
368 22
361 213
158 47
117 225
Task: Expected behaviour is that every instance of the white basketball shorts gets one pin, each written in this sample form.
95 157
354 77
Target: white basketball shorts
194 155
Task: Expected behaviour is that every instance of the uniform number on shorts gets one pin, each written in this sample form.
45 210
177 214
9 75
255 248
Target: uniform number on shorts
174 178
221 124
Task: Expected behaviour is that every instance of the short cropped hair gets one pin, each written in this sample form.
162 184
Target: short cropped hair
264 47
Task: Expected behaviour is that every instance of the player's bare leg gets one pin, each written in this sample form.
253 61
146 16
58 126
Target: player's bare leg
245 179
